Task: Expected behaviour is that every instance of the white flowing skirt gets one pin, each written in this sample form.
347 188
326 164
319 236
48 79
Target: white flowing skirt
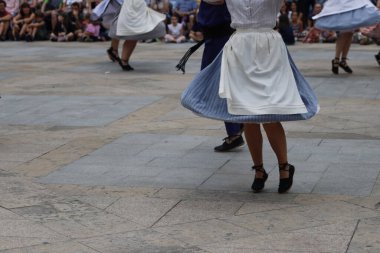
256 76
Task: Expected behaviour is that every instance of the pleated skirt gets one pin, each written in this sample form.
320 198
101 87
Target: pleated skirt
202 97
350 20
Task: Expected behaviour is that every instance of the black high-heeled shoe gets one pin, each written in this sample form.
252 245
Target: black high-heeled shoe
111 54
343 64
335 66
377 57
286 183
259 183
125 65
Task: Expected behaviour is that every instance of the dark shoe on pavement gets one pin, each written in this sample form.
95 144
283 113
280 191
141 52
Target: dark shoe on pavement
286 183
259 182
377 57
343 64
230 142
335 66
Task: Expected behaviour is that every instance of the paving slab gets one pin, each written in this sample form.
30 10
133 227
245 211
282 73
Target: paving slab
95 159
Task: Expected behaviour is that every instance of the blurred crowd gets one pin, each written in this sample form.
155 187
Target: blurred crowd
69 20
295 23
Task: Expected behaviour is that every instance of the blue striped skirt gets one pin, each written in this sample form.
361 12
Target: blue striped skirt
202 97
350 20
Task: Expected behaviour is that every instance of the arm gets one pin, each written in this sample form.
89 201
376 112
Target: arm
37 25
6 18
17 19
30 19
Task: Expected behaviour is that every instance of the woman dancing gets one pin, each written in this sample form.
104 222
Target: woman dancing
133 21
345 16
253 81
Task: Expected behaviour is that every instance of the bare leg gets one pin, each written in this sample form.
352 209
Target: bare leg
277 140
346 43
115 46
345 40
128 48
254 140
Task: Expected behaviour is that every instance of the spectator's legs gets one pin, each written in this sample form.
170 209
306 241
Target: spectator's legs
54 19
169 38
2 29
15 31
180 39
23 30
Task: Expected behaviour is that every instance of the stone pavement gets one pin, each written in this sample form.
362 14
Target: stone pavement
93 159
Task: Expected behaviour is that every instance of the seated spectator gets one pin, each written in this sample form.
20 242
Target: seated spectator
327 37
12 6
91 30
316 10
50 9
286 30
186 10
75 19
296 24
294 8
175 32
21 21
314 34
36 30
5 18
61 32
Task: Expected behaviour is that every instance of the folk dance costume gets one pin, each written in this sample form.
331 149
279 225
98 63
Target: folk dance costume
342 15
253 80
106 11
137 22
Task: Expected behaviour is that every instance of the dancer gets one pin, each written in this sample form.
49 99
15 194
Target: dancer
252 81
345 16
106 11
215 20
137 22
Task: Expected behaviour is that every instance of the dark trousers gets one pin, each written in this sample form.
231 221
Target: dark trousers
213 47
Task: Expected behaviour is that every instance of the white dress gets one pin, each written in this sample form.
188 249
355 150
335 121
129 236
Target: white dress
256 76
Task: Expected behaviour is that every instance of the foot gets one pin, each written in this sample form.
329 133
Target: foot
343 64
230 143
335 66
112 54
377 57
125 65
286 177
261 177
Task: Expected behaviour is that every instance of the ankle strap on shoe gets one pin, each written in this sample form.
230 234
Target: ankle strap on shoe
259 168
283 166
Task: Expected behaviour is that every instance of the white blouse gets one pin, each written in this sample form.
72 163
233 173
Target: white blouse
253 13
